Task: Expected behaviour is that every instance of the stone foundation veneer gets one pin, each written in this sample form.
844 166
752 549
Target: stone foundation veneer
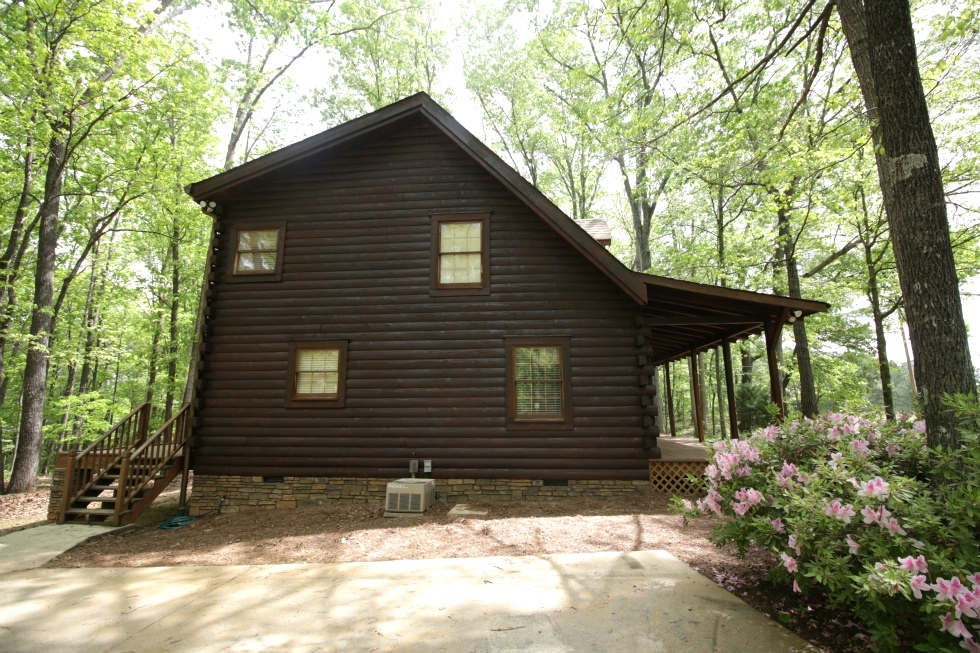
244 493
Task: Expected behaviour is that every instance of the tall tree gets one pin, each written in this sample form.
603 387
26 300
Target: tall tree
882 43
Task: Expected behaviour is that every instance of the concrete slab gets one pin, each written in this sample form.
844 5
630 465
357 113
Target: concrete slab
463 510
644 601
33 547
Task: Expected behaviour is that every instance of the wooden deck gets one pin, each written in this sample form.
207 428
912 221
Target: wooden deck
683 449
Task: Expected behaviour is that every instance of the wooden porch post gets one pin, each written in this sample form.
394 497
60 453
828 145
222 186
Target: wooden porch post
726 348
698 400
670 400
773 326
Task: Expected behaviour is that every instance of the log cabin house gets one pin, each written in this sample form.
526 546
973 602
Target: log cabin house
390 290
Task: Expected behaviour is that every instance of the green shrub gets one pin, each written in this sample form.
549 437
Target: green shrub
865 512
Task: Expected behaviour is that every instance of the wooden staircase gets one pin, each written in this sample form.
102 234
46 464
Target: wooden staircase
114 479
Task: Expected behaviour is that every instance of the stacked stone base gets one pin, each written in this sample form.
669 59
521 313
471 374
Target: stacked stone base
242 493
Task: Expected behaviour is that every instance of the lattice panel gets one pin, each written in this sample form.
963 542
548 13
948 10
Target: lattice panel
671 475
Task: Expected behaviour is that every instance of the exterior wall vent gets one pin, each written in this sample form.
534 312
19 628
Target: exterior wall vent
410 495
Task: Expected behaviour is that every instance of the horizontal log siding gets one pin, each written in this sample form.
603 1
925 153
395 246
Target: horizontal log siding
425 375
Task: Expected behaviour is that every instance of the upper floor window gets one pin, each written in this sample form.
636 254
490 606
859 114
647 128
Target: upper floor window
258 252
460 261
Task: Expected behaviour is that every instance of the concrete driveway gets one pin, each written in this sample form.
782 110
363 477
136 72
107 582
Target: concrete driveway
642 601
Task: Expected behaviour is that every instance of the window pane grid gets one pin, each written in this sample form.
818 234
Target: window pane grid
538 379
257 250
317 371
460 253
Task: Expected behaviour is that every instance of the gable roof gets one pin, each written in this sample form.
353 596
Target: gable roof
219 186
680 317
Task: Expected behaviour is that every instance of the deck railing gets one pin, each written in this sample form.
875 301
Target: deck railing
85 468
140 466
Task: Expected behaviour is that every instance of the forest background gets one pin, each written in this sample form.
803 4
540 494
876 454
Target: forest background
725 142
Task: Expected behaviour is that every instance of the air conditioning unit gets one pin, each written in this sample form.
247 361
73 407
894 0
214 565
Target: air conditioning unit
410 495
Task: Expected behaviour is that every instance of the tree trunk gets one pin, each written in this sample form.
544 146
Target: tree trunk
23 477
154 355
808 391
172 345
92 312
720 393
882 44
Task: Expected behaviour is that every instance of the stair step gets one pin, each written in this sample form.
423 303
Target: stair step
96 512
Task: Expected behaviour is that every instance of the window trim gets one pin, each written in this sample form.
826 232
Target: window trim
293 400
519 423
438 289
246 277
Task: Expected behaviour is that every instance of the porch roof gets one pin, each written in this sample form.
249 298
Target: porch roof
683 317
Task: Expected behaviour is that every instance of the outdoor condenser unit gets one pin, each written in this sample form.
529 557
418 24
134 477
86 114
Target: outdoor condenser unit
410 495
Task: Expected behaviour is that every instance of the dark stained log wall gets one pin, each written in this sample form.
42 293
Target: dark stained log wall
425 375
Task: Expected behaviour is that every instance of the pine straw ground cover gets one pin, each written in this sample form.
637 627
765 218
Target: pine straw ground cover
358 532
18 511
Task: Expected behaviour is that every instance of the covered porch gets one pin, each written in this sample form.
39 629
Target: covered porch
683 319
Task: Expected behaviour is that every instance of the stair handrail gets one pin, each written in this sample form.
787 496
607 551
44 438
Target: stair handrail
142 464
79 478
144 426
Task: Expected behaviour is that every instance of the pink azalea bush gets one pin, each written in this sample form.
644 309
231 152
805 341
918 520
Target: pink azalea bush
864 512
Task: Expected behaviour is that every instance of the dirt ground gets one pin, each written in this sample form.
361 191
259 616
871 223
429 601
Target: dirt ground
18 511
358 532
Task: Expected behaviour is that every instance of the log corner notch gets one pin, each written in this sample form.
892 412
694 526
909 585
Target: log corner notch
682 319
648 377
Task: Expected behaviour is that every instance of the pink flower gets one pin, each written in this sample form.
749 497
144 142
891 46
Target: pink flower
744 470
876 516
751 496
893 450
876 488
789 563
970 645
794 544
918 584
834 460
740 508
918 565
860 447
920 426
870 515
841 512
711 471
968 603
681 521
893 527
948 589
852 546
777 525
954 627
837 418
975 579
687 504
789 469
771 433
796 587
833 434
